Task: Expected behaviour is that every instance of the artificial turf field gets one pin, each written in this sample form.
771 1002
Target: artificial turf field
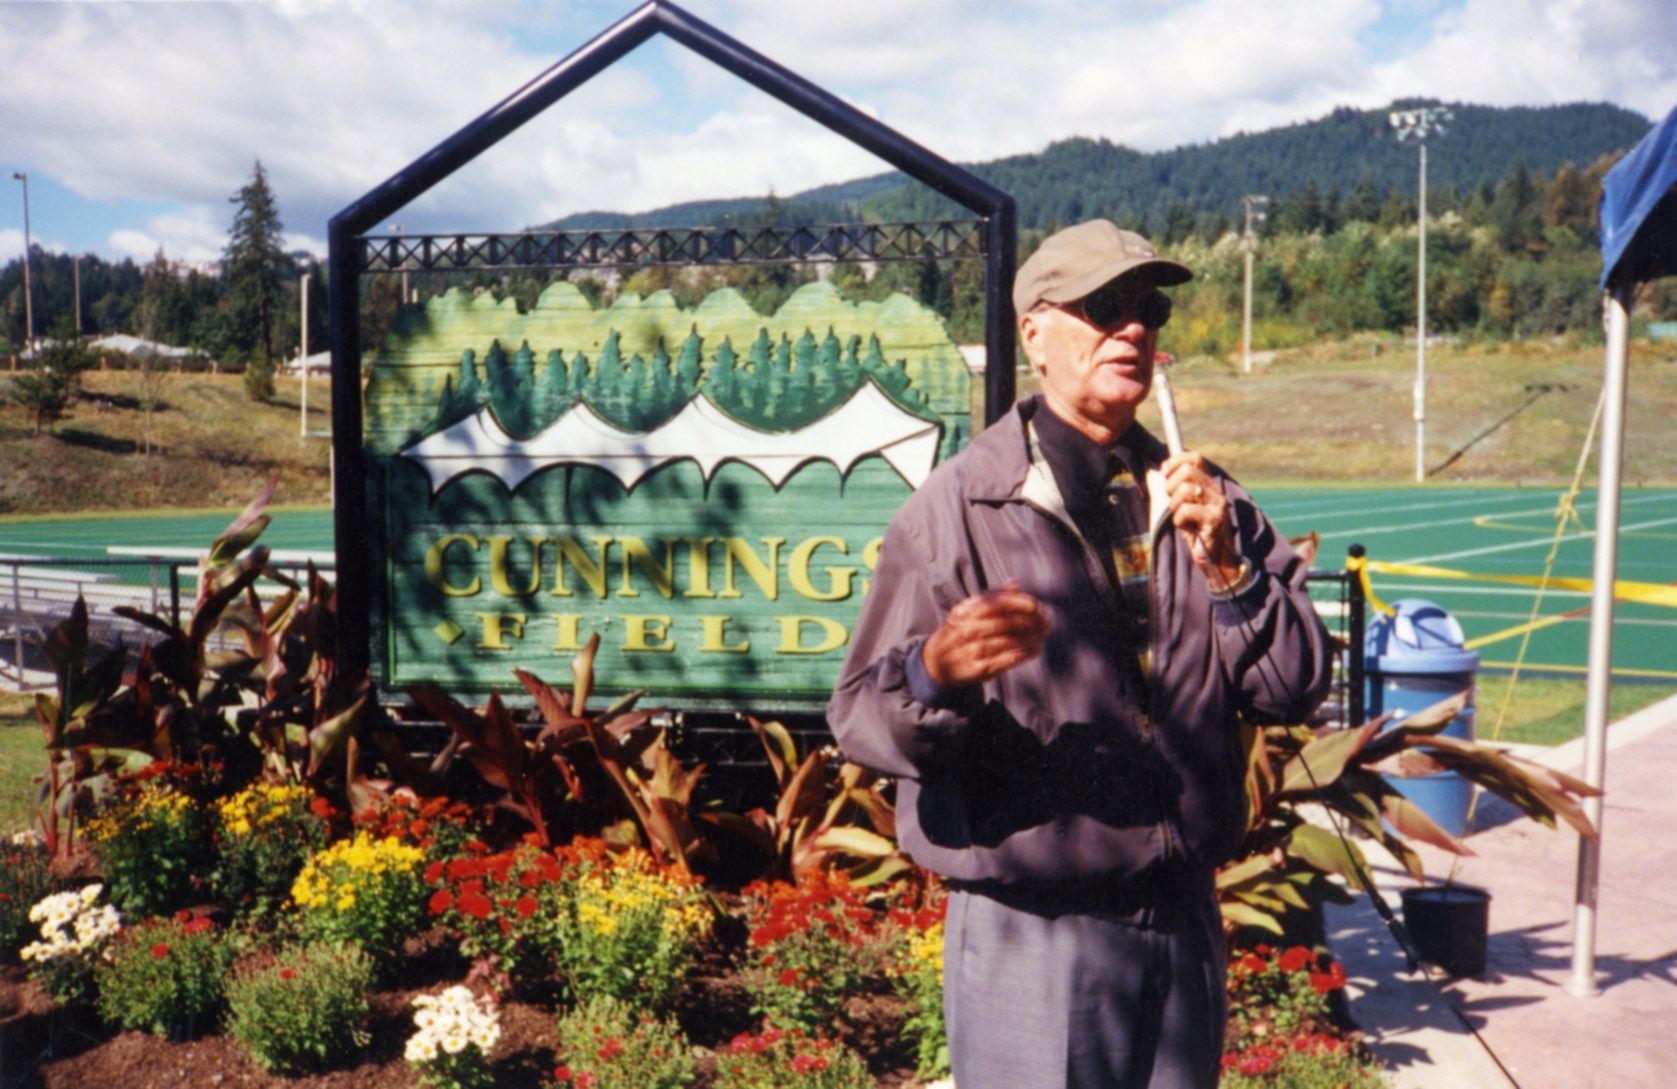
1477 530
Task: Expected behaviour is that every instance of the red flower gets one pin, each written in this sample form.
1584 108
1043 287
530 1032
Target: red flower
525 907
196 926
287 973
183 916
1251 962
561 1073
441 901
434 873
1295 959
476 905
321 808
1331 980
586 1080
611 1049
789 978
160 950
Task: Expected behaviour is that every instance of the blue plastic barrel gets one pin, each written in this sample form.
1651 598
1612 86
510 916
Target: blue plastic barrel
1413 659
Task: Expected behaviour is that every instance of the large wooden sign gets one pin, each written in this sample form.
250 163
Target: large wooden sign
705 489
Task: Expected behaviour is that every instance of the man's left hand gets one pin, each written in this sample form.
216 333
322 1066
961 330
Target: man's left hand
1203 515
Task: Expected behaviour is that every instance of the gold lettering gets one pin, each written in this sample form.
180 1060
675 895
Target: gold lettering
698 567
839 578
570 632
498 626
498 566
765 575
715 639
647 633
791 635
434 557
637 554
870 559
591 570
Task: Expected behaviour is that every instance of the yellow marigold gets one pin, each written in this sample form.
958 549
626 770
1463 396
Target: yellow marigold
261 804
328 873
155 804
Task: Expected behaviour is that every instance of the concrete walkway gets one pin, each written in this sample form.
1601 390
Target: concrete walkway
1518 1026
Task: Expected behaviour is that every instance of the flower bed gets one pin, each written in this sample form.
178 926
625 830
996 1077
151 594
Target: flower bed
283 897
399 956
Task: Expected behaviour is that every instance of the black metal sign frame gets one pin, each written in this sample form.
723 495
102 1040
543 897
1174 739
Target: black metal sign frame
352 251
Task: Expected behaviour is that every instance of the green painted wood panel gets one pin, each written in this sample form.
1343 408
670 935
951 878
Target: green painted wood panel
712 591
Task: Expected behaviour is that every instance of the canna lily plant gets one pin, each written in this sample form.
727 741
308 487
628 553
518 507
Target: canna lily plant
827 814
1287 863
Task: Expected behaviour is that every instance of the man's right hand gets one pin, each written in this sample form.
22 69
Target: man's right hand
985 635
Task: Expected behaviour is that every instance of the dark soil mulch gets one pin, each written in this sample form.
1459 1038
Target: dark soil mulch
43 1046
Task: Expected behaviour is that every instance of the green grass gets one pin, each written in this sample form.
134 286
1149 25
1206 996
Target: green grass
21 760
1551 712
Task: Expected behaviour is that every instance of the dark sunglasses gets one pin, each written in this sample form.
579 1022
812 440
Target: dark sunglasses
1110 309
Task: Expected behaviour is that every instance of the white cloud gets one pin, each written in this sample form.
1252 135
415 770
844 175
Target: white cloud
11 244
194 236
1509 52
170 104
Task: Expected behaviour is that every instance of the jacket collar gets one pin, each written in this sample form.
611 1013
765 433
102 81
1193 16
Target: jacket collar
1002 468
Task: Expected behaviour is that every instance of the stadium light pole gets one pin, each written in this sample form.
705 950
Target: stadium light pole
1415 126
28 295
1255 212
303 353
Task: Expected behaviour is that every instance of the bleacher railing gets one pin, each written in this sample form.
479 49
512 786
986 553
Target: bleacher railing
38 592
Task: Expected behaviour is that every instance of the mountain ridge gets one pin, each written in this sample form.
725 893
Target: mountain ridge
1082 177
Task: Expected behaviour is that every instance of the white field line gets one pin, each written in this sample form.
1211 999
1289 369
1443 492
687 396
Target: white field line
1470 519
1337 506
1535 542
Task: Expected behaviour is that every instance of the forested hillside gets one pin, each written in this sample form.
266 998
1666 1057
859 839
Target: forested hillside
1197 188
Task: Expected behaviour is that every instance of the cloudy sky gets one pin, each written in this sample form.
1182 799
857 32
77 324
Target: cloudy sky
137 122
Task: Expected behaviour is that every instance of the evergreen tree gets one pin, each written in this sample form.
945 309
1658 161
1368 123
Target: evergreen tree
252 265
1363 205
719 379
555 387
164 312
687 364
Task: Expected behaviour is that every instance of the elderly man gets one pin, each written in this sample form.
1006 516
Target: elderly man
1064 630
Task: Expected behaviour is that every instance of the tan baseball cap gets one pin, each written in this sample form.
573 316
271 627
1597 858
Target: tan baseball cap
1073 262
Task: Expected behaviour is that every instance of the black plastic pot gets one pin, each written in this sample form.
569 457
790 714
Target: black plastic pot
1449 924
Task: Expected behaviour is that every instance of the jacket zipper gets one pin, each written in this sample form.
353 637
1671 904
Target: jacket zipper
1154 648
1092 564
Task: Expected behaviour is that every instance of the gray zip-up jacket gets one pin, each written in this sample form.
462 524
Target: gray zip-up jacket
1071 766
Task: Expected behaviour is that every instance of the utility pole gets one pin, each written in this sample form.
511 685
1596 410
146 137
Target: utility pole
303 353
76 276
28 294
1415 126
1255 212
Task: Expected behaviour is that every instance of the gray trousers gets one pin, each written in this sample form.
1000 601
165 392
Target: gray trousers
1083 1001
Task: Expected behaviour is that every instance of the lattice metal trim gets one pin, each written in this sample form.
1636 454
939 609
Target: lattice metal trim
942 240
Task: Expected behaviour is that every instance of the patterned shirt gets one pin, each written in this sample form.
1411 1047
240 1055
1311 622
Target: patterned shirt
1107 501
